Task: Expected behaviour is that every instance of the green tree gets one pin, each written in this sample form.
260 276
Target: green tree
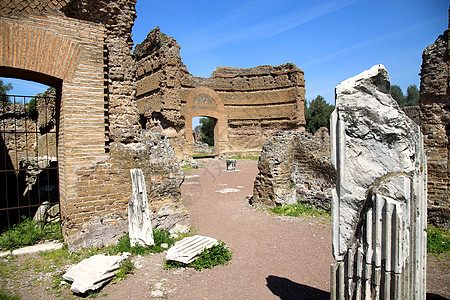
397 93
32 108
207 129
317 114
412 95
411 98
4 88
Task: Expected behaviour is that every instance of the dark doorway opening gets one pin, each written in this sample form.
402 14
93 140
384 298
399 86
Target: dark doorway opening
29 187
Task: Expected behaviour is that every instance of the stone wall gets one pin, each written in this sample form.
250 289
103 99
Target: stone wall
295 166
249 105
435 125
83 49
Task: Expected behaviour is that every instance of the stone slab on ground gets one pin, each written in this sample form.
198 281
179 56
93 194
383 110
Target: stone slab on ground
93 272
33 249
189 248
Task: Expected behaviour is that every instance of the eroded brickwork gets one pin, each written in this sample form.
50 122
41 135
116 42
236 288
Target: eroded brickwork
83 49
248 104
435 124
295 166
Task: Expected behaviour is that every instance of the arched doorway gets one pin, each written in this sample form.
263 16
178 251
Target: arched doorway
205 102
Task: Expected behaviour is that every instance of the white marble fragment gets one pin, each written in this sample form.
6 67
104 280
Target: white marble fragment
189 248
139 214
90 274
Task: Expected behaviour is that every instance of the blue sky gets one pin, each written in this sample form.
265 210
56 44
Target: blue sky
330 40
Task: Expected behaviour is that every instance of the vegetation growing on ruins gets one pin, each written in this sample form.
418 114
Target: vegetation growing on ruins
317 114
126 267
298 210
411 98
28 232
159 236
216 255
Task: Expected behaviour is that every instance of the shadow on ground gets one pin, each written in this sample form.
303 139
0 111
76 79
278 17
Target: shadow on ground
431 296
287 289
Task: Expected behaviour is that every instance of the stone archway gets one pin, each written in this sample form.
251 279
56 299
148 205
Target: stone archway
203 101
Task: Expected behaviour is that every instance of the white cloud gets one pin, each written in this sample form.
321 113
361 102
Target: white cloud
233 28
382 39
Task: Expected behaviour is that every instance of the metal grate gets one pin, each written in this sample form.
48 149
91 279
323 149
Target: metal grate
28 156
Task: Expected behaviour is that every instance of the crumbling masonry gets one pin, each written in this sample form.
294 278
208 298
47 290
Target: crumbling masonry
435 124
248 105
83 49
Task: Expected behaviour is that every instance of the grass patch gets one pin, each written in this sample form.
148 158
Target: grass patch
54 263
438 240
187 168
6 296
126 267
159 236
29 232
251 157
218 254
298 210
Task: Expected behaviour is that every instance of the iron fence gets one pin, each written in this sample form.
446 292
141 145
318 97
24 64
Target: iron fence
29 186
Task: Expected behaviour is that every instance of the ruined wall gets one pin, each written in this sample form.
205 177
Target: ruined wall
295 166
435 125
248 104
83 49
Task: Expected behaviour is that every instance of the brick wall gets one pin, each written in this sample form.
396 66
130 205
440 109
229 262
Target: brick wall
256 102
84 51
435 120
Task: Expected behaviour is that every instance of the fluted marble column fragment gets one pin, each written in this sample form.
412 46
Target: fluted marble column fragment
379 203
139 214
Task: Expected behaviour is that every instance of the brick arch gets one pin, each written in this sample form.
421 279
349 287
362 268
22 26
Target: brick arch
214 109
36 51
68 54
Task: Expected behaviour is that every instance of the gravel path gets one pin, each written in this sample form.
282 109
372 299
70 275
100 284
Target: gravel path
273 257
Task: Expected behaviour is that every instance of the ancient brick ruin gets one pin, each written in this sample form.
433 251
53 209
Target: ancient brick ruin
83 50
295 166
248 105
435 124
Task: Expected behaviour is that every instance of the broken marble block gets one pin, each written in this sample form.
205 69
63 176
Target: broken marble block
92 273
187 250
139 214
379 203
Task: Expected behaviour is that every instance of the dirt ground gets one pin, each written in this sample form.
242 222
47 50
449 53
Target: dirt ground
273 257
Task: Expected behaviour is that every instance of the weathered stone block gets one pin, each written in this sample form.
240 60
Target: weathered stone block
139 214
379 204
